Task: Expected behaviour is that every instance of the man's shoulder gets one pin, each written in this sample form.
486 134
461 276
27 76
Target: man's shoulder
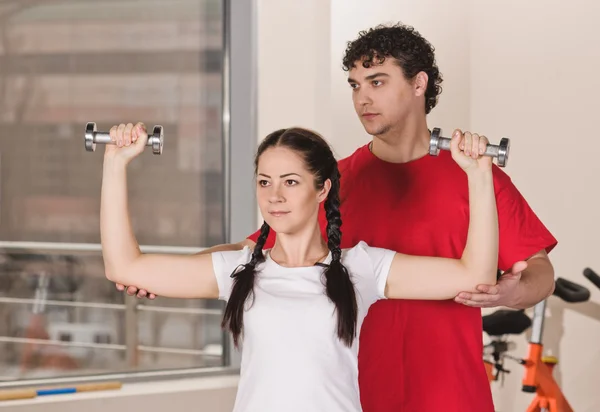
354 160
500 175
503 183
449 170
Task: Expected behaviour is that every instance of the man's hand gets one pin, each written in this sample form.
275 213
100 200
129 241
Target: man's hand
132 290
504 293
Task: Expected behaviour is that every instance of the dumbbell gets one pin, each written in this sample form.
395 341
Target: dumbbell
92 137
436 142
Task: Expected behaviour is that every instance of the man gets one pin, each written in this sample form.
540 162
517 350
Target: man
421 356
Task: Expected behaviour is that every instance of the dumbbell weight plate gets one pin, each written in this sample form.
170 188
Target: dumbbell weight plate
434 150
90 129
503 151
157 140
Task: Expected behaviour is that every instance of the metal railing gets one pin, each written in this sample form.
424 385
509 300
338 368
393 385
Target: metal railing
132 335
130 309
90 247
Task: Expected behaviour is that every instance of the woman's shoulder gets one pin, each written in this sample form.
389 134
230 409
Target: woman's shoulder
359 248
230 257
363 252
358 252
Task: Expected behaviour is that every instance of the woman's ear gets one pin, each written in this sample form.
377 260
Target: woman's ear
324 192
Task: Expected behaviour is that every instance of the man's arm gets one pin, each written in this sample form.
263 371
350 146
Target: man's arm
536 283
141 293
523 238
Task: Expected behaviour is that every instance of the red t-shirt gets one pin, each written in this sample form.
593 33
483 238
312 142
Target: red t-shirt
417 355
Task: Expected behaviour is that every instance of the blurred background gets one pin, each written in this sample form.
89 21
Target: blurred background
62 64
219 75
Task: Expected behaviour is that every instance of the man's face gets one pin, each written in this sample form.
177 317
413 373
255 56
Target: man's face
383 98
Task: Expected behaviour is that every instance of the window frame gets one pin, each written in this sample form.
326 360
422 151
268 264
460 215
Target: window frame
239 134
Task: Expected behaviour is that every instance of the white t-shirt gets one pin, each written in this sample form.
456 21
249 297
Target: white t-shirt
292 358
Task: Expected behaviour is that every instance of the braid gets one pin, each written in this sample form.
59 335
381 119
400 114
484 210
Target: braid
243 287
334 218
257 253
339 286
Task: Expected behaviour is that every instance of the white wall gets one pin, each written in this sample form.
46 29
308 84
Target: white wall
527 71
293 65
534 78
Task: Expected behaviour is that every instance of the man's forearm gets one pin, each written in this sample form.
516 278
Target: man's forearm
536 284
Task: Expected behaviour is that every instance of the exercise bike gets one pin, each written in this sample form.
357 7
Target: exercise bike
538 377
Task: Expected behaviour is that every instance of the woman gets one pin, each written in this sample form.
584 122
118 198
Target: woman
297 308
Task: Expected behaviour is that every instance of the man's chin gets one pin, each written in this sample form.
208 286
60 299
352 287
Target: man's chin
374 130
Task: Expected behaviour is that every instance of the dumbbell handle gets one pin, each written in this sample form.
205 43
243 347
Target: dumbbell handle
104 137
93 137
490 149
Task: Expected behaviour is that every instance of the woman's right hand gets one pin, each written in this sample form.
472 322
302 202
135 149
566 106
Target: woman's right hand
129 141
467 151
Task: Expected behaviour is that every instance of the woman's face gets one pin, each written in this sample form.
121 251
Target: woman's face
286 192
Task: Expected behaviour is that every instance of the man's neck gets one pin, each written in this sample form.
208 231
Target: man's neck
401 146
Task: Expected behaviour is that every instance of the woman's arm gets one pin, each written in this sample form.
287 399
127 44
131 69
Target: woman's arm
174 276
139 292
434 278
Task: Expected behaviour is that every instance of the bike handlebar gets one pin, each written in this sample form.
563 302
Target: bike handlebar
592 277
570 291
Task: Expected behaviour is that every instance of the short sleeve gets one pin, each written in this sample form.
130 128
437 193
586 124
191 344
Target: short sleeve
381 262
224 263
522 233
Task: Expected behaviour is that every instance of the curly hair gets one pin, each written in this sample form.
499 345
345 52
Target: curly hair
411 51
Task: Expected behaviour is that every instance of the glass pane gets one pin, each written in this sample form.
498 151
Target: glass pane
68 63
60 316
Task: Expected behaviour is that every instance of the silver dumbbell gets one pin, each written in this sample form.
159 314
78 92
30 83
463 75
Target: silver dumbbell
92 137
501 151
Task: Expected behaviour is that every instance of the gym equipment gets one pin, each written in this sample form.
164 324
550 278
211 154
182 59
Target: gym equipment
30 393
592 277
497 325
501 151
93 137
538 377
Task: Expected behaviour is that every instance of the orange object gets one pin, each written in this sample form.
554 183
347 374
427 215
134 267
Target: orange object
11 395
538 379
489 370
6 395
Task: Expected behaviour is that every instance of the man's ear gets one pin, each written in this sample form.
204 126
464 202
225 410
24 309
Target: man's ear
324 192
420 83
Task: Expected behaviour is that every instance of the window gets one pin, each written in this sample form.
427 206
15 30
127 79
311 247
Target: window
66 63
